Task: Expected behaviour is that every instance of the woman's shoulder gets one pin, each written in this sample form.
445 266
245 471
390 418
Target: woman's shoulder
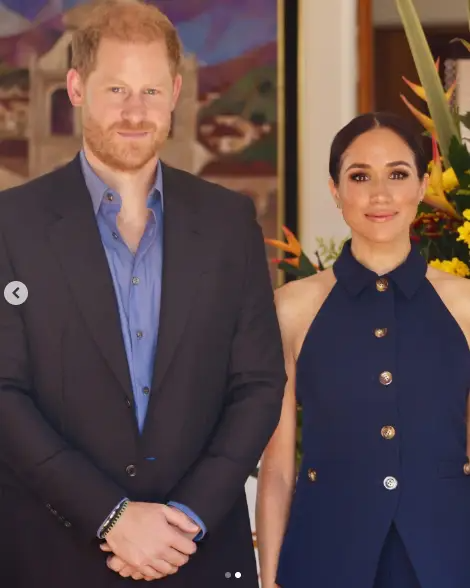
303 296
450 284
454 292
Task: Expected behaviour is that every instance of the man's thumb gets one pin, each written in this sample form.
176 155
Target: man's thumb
177 518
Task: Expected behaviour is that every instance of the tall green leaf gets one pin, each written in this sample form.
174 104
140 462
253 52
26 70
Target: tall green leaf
424 62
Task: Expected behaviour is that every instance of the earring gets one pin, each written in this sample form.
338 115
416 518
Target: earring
338 204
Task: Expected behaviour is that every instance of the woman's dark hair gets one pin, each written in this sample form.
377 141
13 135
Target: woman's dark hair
367 122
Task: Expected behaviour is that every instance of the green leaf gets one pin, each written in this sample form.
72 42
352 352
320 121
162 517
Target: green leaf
463 192
428 75
459 159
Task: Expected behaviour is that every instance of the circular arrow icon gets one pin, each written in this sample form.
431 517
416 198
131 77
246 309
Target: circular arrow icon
15 293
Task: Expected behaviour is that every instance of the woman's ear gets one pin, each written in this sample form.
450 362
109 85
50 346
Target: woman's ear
334 192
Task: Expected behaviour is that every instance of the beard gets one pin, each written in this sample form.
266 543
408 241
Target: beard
121 154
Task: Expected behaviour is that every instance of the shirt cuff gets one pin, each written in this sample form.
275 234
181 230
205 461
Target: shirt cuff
188 512
118 505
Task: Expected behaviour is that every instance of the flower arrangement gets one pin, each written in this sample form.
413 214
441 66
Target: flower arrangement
442 225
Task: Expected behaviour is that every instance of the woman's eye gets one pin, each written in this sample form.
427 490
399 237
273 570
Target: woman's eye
399 175
358 177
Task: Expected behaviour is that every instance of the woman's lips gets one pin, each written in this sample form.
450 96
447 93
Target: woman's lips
381 217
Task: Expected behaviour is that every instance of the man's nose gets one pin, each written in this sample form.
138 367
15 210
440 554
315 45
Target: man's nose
134 108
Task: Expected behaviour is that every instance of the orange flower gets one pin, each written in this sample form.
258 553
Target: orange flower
292 246
425 120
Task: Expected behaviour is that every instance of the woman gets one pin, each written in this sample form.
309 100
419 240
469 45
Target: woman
376 351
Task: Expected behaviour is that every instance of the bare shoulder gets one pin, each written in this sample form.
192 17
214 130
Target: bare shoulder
448 284
454 292
298 302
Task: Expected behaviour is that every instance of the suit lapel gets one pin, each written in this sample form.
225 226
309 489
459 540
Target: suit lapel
76 241
182 252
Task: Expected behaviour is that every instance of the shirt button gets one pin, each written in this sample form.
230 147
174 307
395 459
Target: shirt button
388 432
379 333
131 471
385 378
139 334
135 281
381 284
115 235
109 197
146 390
312 475
390 483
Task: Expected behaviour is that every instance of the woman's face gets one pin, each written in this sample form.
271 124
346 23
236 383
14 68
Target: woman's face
379 189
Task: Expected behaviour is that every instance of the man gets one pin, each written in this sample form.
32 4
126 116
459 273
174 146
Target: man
143 376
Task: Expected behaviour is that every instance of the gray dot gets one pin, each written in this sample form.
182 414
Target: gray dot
227 574
238 575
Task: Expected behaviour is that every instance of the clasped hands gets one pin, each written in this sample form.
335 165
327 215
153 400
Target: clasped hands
150 541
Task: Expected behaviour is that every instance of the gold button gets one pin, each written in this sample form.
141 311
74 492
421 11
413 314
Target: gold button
379 333
388 432
312 475
466 469
381 284
386 378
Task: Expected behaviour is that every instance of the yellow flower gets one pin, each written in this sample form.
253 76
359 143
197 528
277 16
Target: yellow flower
466 214
435 193
454 267
464 233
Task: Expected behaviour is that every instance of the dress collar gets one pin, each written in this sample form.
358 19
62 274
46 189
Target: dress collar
354 277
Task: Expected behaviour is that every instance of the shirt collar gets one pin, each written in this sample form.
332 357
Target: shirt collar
355 277
98 189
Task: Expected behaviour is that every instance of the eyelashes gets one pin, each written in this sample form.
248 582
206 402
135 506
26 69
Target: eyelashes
363 177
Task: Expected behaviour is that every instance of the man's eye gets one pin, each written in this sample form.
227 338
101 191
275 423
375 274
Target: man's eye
152 91
116 90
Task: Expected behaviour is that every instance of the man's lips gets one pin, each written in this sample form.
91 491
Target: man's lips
133 134
381 217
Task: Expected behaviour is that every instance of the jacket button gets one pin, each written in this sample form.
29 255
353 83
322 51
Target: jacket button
466 469
67 524
379 333
388 432
312 475
381 284
390 483
131 471
385 378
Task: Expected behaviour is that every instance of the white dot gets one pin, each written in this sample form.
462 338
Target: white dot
227 574
238 575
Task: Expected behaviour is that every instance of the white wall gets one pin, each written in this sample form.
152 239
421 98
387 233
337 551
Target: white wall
327 99
431 12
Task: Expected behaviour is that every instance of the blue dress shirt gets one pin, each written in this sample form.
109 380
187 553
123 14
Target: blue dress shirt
137 280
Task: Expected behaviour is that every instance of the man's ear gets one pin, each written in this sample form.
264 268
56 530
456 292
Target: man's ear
75 87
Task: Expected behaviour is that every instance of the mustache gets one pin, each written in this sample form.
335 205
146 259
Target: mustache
142 127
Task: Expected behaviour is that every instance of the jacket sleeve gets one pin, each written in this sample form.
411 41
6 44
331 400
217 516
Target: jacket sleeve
63 478
256 387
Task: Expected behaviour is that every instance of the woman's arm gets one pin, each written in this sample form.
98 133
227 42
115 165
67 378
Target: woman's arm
276 478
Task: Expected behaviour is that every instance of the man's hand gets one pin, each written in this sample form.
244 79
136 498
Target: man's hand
150 541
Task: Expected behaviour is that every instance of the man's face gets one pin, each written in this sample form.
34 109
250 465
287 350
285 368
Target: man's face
126 101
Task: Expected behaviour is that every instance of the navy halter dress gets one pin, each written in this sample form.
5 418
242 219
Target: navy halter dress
383 495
